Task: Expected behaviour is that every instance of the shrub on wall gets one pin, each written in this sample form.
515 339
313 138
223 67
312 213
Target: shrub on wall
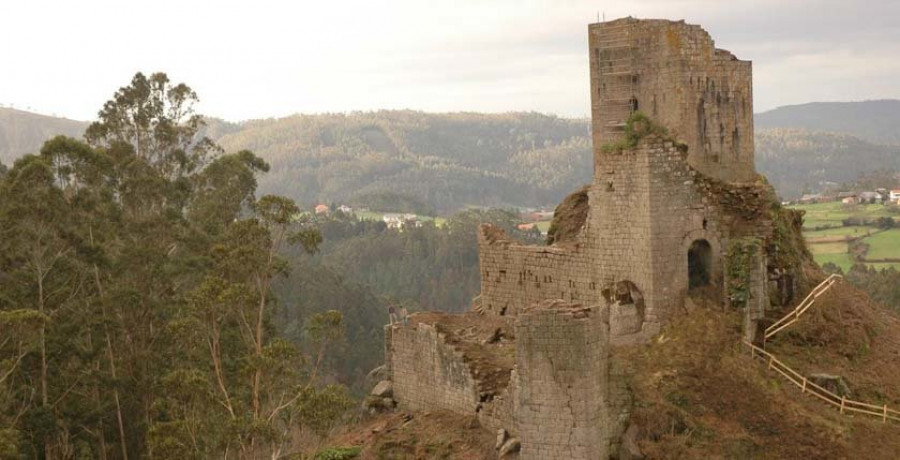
738 265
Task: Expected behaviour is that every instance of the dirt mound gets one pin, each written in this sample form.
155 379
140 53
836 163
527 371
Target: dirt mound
698 395
845 333
569 217
424 435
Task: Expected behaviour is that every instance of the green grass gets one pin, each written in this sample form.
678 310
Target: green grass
884 245
833 213
543 226
828 248
839 231
841 260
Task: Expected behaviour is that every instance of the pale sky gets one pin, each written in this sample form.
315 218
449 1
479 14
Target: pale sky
258 58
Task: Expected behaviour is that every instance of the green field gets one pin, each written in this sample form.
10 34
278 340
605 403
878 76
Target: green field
838 231
833 213
841 260
882 244
543 226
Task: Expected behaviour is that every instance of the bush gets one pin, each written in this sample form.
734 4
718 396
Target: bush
637 127
338 453
885 223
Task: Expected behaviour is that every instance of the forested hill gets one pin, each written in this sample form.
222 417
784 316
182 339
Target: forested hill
23 132
874 121
796 160
446 161
441 163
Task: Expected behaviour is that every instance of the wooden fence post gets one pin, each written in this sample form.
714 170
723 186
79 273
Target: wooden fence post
885 414
803 390
843 401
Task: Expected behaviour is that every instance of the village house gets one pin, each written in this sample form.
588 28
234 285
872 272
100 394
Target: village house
895 195
399 221
870 197
322 209
810 198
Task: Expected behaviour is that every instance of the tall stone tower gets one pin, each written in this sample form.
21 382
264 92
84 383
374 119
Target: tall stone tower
672 72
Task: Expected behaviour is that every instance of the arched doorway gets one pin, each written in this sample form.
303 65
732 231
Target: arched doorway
699 264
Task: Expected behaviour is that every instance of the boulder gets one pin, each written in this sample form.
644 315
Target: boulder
832 383
511 445
378 374
501 438
375 404
628 447
384 389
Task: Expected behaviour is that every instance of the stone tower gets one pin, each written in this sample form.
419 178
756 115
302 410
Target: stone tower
672 72
659 221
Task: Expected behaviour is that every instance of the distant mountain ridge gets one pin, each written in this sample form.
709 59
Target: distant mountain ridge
448 161
876 121
24 132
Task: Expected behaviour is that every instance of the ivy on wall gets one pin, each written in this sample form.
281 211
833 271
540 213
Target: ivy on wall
738 265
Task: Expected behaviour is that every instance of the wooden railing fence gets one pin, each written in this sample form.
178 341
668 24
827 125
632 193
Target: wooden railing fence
843 404
810 299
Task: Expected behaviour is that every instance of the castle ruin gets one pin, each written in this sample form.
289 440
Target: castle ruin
649 236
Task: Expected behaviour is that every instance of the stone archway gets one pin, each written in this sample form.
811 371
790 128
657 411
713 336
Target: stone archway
700 260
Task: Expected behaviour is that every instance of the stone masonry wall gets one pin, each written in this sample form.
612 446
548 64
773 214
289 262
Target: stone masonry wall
514 276
562 371
672 72
427 373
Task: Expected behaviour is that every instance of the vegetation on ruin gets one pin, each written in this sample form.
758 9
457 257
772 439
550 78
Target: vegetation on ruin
739 262
637 127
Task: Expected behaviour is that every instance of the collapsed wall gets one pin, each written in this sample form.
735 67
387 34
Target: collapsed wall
427 372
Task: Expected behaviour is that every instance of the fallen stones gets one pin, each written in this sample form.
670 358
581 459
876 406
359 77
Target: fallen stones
832 383
380 398
512 445
501 438
628 448
384 389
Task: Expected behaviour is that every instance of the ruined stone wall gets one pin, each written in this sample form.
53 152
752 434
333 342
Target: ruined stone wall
514 276
672 72
562 371
427 373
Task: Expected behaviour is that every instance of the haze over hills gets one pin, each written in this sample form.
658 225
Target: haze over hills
23 132
874 121
443 162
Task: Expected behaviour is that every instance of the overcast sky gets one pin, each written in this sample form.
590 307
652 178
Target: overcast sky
257 58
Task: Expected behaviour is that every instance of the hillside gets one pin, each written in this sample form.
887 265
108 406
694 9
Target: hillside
796 159
443 162
875 121
23 132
